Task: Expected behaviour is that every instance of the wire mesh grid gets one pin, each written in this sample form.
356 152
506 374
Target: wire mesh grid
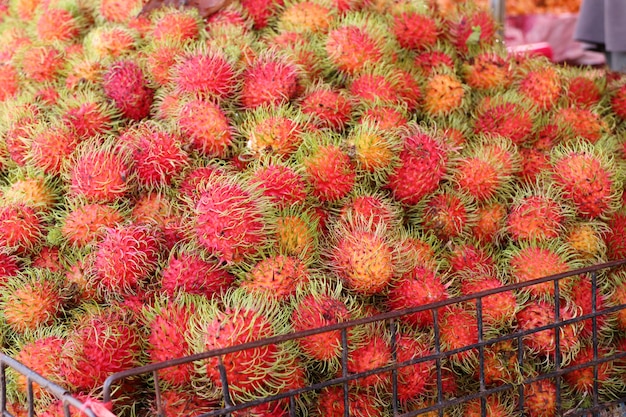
598 407
69 402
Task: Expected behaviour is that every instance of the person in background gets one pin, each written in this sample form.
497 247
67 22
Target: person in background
602 25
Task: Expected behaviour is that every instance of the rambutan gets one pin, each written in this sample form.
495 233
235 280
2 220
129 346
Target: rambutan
182 402
580 123
40 352
470 257
168 327
363 258
540 398
536 314
206 125
125 257
331 108
84 223
385 117
157 154
537 213
541 84
272 79
327 168
281 183
48 257
581 298
297 232
583 380
586 239
50 147
614 237
31 189
486 167
371 353
87 114
418 287
9 266
533 163
305 16
276 130
110 42
497 309
507 117
189 272
447 214
430 61
351 47
583 91
276 276
124 82
530 260
9 81
414 381
443 94
21 228
459 328
415 31
119 11
618 101
330 403
41 63
175 26
261 12
81 71
495 406
322 304
229 220
588 177
207 72
500 364
374 208
100 172
243 318
374 84
159 59
422 165
57 25
100 343
375 150
487 71
32 300
473 28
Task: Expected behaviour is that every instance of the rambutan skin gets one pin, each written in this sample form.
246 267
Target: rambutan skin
269 82
125 256
87 359
191 274
422 167
330 172
229 223
125 83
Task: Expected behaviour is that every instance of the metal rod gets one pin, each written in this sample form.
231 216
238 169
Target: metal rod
344 372
394 372
594 335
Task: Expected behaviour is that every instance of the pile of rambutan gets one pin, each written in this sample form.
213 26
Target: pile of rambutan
172 183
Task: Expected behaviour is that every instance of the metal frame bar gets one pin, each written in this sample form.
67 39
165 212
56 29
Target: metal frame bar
438 356
33 377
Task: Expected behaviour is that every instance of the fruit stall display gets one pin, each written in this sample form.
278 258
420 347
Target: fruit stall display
518 7
176 184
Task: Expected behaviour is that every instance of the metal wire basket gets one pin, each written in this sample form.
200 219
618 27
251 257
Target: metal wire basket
69 402
598 407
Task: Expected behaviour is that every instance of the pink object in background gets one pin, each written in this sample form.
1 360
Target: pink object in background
537 32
